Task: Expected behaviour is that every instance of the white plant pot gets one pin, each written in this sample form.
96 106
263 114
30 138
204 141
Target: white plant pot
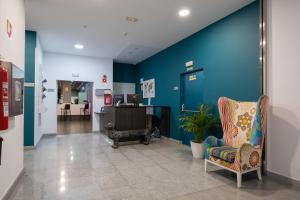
197 150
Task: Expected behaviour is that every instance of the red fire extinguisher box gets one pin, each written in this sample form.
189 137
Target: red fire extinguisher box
15 77
107 99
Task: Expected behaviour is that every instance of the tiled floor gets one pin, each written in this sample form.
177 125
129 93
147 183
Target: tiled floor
85 167
75 125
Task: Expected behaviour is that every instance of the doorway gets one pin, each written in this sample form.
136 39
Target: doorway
74 107
191 90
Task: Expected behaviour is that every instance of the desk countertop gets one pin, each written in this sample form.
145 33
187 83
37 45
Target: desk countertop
156 106
98 113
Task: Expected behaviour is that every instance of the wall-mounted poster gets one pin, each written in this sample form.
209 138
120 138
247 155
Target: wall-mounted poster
149 88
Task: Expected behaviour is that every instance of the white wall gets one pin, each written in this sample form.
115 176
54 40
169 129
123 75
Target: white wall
12 50
124 88
283 142
60 67
37 91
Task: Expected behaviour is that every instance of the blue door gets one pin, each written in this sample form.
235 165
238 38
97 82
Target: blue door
192 85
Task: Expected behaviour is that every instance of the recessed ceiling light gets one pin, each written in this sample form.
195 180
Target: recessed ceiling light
184 13
132 19
78 46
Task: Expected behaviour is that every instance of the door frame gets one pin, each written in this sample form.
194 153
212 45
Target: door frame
181 98
91 104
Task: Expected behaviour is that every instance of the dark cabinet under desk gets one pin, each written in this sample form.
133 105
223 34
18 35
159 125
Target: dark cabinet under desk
160 116
125 117
165 121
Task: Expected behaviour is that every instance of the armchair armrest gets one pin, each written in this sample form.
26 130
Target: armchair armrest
211 141
248 157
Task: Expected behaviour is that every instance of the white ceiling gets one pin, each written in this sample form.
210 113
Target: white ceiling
60 24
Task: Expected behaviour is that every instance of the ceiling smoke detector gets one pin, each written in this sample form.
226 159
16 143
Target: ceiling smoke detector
132 19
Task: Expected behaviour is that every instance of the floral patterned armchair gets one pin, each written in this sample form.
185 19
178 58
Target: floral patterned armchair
244 127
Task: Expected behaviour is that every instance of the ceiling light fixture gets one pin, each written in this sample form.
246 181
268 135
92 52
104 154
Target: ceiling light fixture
132 19
78 46
184 13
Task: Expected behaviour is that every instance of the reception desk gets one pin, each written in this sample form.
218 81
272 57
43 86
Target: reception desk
75 109
157 116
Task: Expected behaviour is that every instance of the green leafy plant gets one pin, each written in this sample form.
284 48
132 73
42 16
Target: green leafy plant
199 122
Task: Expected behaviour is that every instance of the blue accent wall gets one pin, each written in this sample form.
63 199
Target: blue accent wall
227 50
124 73
30 45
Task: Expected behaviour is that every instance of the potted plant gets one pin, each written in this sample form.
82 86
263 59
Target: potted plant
198 123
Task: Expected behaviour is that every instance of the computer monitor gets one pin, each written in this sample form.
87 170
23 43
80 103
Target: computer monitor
118 98
135 99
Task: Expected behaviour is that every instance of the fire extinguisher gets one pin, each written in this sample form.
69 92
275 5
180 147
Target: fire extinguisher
107 99
3 98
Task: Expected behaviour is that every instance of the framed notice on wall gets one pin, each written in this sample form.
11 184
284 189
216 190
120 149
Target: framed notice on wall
149 88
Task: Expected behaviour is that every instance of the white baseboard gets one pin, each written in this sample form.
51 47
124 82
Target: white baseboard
28 148
12 186
172 139
283 178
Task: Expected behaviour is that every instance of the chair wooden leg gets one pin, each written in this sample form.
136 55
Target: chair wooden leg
259 174
239 180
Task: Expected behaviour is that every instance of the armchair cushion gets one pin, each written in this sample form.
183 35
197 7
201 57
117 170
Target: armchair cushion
212 141
224 153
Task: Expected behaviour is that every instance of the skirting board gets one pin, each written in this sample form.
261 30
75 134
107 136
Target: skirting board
283 178
49 135
13 186
172 140
28 148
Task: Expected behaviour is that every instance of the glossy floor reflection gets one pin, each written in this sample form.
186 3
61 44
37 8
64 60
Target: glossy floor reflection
75 125
85 167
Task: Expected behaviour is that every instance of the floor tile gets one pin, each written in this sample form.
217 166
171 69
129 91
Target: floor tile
85 167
